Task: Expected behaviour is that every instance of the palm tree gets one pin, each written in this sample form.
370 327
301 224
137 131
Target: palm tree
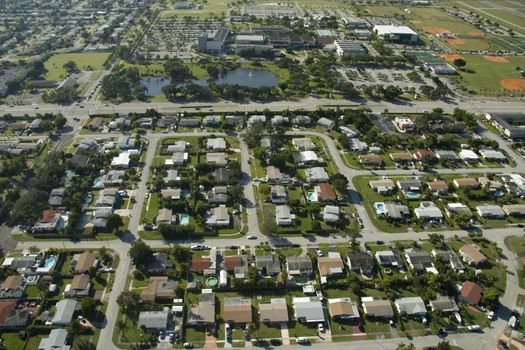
135 346
122 327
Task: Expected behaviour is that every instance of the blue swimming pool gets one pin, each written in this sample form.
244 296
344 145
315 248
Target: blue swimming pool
379 207
98 182
50 262
499 193
411 195
184 219
311 196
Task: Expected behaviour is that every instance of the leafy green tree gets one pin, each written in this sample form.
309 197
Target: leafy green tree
140 253
128 301
71 67
89 307
181 254
114 222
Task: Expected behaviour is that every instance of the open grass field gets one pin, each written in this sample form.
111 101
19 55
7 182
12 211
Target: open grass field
381 11
84 61
475 78
211 8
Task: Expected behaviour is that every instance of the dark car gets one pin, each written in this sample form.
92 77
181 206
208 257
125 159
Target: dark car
276 342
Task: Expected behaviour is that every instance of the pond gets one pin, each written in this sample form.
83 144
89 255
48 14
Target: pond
252 78
154 85
247 77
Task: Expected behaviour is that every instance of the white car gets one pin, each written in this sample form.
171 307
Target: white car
200 247
319 252
251 237
320 328
491 315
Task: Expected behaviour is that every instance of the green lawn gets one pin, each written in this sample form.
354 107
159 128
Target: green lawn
474 78
150 211
84 61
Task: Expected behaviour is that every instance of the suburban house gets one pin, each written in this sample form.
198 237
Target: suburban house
454 209
302 120
325 192
171 193
370 159
308 310
424 155
283 217
331 213
56 197
268 265
217 158
306 157
217 144
401 157
12 317
236 264
212 120
114 178
159 288
279 120
155 321
65 310
491 185
449 257
444 303
438 187
404 124
274 312
472 255
468 155
178 158
316 175
330 266
492 155
256 119
221 175
202 265
278 194
202 314
189 122
299 266
419 260
303 144
466 182
429 212
514 183
361 262
107 197
326 123
177 147
390 259
218 195
470 293
397 211
57 340
356 145
165 217
82 263
343 309
218 216
445 155
490 212
276 177
383 186
13 287
80 287
411 306
159 263
377 308
171 175
48 222
237 310
517 210
410 186
237 120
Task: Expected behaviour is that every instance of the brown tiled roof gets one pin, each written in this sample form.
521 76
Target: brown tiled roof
199 264
80 282
274 312
12 282
466 181
437 185
327 192
473 252
231 262
47 216
327 263
85 261
341 307
238 313
471 292
6 307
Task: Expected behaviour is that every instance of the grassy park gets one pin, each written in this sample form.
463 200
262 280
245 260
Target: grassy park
84 61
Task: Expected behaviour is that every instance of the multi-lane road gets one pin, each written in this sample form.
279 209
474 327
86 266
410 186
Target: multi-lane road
485 340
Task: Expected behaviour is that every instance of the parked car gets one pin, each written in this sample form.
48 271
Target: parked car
251 237
200 247
302 340
474 328
491 315
320 327
319 252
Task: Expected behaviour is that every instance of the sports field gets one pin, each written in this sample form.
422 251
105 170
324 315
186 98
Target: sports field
502 80
84 61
